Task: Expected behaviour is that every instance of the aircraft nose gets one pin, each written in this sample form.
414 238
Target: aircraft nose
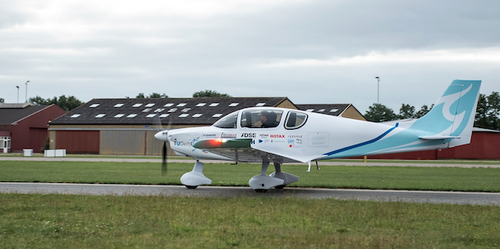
162 135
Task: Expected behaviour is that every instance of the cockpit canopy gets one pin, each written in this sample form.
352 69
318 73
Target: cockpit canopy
263 118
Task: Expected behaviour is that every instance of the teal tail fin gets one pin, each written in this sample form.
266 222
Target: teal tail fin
452 117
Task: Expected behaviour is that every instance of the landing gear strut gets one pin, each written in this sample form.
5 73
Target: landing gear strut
195 178
278 179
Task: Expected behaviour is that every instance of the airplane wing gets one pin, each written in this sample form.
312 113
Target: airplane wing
241 150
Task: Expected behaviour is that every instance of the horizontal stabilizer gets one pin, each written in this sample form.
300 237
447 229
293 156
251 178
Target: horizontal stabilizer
439 137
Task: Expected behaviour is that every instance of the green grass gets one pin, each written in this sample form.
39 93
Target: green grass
69 221
369 177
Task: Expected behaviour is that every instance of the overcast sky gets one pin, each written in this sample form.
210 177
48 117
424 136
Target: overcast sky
307 50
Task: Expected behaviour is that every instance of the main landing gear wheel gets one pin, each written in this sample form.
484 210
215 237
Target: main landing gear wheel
191 187
280 187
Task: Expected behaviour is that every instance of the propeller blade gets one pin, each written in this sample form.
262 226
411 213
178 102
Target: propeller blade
164 159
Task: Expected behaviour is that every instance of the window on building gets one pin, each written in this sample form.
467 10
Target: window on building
5 142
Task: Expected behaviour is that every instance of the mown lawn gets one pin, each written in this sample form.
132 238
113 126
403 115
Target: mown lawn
369 177
71 221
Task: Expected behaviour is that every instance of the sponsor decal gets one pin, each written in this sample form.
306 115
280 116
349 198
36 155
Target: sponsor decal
263 135
298 141
248 135
185 143
210 135
291 141
228 135
263 141
294 136
277 136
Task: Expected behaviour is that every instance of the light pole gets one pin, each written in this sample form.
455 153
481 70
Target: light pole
378 84
17 94
27 91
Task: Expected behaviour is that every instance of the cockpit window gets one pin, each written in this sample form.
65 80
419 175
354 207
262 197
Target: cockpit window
295 120
261 118
228 121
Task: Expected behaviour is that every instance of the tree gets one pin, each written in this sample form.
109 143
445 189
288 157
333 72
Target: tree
2 100
380 113
66 103
406 111
488 111
209 93
152 95
423 110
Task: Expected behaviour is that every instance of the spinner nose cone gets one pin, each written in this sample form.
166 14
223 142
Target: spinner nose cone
162 135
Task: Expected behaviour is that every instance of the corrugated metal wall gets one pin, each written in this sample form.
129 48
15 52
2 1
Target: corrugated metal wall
130 142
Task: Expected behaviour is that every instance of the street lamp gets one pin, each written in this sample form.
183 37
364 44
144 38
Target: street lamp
378 84
27 91
17 94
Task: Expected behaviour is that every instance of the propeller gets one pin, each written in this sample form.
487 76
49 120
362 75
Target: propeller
163 133
164 159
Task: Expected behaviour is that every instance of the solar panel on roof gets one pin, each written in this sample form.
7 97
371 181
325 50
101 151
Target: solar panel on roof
172 110
119 115
214 104
94 105
186 109
181 104
147 110
150 115
150 104
201 104
118 105
197 115
100 115
260 104
137 105
216 115
164 115
159 109
234 104
169 105
183 115
334 110
75 115
131 115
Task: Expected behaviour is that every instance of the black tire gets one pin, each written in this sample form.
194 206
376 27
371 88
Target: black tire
260 190
280 187
191 187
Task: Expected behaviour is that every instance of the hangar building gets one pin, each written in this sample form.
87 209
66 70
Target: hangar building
127 126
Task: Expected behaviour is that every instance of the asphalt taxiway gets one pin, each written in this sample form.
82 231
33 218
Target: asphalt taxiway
474 198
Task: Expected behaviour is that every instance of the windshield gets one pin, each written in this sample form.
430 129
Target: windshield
228 121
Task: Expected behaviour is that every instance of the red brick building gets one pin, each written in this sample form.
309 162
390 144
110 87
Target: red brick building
25 126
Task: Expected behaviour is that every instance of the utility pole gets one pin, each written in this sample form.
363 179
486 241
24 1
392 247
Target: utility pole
27 91
17 94
378 87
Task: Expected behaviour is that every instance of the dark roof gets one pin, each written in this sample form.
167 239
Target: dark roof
145 111
329 109
12 113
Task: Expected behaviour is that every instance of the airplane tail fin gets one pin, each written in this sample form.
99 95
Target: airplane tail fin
452 117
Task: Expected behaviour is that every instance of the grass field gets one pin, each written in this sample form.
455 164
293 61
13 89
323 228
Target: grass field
369 177
65 221
81 221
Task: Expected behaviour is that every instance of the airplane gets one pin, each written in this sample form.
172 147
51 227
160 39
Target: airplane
278 135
